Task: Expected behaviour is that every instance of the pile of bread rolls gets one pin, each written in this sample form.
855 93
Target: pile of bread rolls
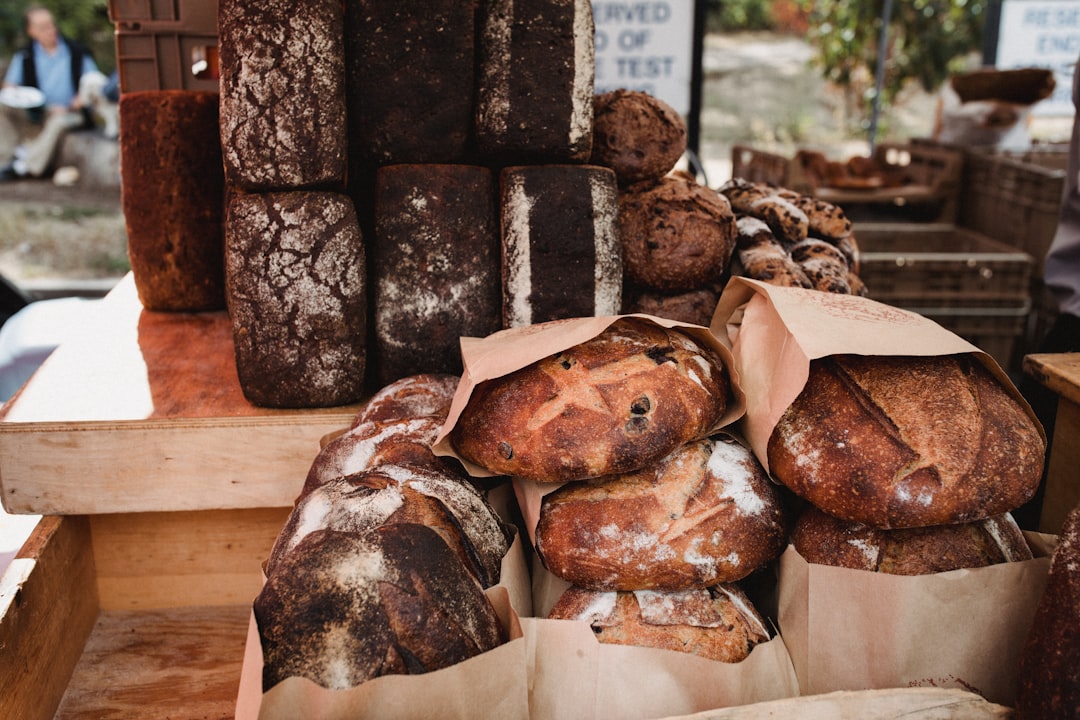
657 518
381 566
908 465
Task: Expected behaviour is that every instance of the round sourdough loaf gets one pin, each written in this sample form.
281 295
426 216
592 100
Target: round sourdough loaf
410 397
343 608
707 513
637 135
825 540
897 442
613 404
392 494
718 623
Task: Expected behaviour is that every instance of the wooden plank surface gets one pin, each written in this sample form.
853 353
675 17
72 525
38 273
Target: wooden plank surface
48 605
143 411
154 665
1059 372
1062 492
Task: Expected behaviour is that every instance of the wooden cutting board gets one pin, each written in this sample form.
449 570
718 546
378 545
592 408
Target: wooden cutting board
143 411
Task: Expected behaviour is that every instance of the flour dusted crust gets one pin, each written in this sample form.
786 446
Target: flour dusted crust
718 623
283 117
295 289
612 404
389 494
705 514
343 608
637 135
898 442
676 234
409 397
824 540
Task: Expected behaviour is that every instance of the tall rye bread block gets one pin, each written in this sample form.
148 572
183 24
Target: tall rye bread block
535 92
173 195
561 254
411 78
282 87
435 262
295 285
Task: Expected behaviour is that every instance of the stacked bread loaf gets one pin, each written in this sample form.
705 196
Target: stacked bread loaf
381 566
909 465
655 518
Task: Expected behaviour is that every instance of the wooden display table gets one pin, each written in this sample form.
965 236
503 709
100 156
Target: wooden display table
1060 373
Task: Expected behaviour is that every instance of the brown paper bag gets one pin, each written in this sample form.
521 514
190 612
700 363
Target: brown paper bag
774 333
857 630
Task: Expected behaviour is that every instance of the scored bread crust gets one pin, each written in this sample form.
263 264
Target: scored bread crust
718 623
824 540
612 404
897 442
706 513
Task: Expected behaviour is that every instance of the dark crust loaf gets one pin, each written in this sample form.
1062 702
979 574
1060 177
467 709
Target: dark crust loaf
718 623
705 514
1049 680
561 256
409 397
435 266
535 92
637 135
391 494
411 80
694 306
173 195
283 94
612 404
344 608
294 267
676 234
824 540
895 442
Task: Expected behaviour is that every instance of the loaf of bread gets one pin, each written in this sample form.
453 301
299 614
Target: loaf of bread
761 256
825 540
435 264
705 514
1049 677
898 442
693 306
295 288
536 64
173 195
390 494
637 135
283 117
561 256
343 608
612 404
411 79
676 234
718 623
409 397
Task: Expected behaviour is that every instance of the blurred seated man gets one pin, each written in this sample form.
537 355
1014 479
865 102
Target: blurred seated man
56 66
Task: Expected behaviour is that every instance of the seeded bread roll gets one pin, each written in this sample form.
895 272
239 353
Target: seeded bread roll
718 623
705 514
823 264
343 608
612 404
788 223
637 135
391 494
824 540
899 442
742 193
676 234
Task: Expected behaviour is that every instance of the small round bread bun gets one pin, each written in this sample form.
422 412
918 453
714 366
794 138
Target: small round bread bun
824 540
637 135
344 608
612 404
718 623
705 514
898 442
392 494
410 397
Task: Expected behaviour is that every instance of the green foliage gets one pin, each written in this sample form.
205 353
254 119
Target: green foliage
927 41
731 15
84 20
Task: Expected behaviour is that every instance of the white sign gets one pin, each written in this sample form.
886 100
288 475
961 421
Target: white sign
1044 34
646 45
